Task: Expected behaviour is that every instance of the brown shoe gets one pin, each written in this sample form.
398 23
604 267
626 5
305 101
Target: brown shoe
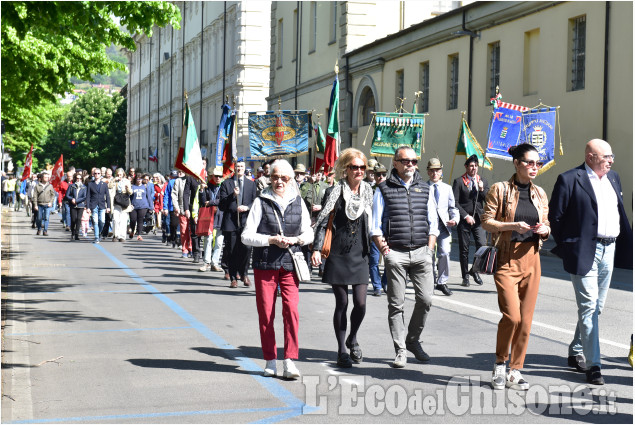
45 233
216 268
226 277
234 284
38 233
246 281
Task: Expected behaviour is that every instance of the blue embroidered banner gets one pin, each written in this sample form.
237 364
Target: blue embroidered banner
223 130
283 133
504 130
539 129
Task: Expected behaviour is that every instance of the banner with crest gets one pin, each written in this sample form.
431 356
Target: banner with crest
539 129
278 134
397 129
504 130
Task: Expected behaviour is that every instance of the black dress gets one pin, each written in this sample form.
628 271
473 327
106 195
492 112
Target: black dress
347 263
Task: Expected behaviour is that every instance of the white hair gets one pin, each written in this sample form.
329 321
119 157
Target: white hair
283 167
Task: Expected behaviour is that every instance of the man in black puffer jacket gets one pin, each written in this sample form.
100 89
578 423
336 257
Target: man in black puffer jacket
405 230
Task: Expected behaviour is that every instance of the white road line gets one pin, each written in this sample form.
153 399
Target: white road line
534 323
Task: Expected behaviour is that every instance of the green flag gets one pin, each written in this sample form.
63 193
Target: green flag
468 146
320 143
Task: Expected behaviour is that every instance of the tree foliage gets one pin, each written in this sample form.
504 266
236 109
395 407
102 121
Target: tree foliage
97 122
45 43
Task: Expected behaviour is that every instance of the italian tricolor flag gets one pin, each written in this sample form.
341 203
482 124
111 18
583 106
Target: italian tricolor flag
188 158
332 148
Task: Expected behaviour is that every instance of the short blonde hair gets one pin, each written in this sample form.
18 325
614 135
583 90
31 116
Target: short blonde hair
346 157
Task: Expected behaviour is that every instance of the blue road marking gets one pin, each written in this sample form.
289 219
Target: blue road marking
273 387
99 331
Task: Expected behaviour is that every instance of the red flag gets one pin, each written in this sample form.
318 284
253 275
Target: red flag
229 152
27 165
57 173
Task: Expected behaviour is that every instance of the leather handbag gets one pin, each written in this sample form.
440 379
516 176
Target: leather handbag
485 260
122 199
485 257
328 237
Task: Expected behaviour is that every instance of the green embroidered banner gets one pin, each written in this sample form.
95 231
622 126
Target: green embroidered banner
393 130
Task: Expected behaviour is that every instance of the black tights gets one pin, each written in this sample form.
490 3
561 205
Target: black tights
357 314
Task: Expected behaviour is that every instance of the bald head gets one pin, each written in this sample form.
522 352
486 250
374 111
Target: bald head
598 155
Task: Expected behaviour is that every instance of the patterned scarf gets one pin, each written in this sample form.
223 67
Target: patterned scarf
355 205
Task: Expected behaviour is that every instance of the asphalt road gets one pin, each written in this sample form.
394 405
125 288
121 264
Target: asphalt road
131 333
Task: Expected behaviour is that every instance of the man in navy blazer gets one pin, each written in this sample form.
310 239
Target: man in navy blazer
592 234
97 202
235 204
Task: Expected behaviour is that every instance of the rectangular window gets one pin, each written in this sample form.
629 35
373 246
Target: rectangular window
333 26
577 52
295 31
279 42
494 50
399 87
424 97
313 27
453 81
531 62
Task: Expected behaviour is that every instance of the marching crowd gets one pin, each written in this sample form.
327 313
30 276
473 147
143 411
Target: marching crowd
342 223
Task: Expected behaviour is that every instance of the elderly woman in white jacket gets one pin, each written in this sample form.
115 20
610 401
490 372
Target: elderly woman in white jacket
278 223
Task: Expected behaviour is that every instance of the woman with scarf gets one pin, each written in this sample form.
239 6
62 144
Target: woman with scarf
349 202
278 224
122 188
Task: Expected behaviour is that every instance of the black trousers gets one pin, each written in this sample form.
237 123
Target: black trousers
464 231
76 220
236 254
174 225
104 233
136 217
196 241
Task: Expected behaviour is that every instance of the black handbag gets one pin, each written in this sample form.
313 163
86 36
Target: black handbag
122 200
485 257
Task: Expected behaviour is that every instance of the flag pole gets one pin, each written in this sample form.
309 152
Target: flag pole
457 143
339 126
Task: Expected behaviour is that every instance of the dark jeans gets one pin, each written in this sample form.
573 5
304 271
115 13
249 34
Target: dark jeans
174 224
464 231
76 220
196 241
378 281
136 218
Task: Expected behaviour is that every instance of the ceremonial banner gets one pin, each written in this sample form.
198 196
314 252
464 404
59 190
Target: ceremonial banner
28 162
223 129
188 157
539 130
468 145
333 140
504 129
278 134
57 173
229 149
397 129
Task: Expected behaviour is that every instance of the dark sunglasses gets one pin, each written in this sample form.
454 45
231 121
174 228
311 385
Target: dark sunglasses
357 167
406 161
532 164
380 174
276 177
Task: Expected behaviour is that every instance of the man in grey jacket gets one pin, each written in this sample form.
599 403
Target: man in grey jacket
44 196
448 216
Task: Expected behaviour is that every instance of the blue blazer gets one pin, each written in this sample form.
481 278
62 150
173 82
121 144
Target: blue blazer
573 214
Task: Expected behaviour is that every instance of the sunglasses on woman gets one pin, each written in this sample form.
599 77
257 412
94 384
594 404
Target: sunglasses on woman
276 177
357 167
532 164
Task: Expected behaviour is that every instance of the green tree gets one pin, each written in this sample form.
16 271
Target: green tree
45 43
97 122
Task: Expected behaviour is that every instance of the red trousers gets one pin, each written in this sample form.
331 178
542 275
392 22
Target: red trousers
186 240
266 284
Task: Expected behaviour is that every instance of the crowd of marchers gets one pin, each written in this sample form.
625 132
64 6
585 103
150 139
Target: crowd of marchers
344 222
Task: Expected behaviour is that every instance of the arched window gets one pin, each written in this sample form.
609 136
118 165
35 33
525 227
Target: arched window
368 106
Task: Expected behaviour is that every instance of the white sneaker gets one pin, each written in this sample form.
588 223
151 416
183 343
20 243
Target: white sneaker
498 376
290 371
515 381
270 368
204 268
